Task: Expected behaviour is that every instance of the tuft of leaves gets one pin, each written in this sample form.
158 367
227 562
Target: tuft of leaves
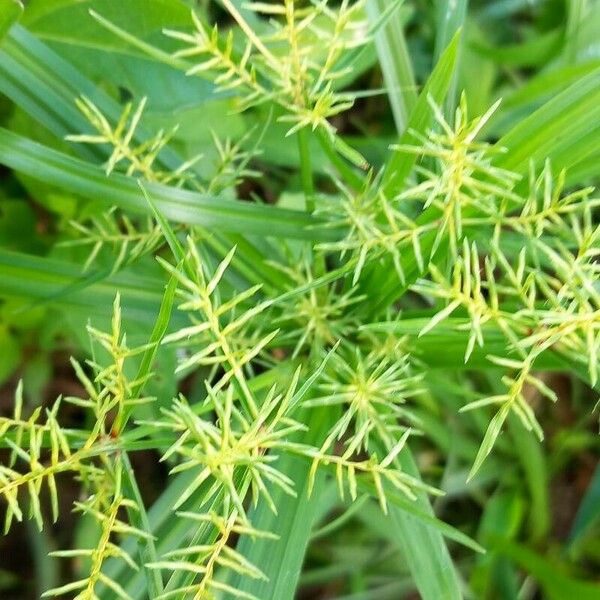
280 387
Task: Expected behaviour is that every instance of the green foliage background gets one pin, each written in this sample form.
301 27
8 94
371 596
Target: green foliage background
294 240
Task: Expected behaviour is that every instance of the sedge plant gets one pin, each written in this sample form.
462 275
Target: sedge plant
313 332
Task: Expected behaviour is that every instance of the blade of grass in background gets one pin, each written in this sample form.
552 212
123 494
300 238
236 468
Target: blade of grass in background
281 560
395 62
557 585
551 130
401 163
588 512
380 287
91 182
531 53
577 11
423 547
533 463
35 278
495 574
444 346
45 85
450 19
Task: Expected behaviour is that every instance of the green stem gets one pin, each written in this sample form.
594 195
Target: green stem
349 175
306 170
308 186
160 328
139 519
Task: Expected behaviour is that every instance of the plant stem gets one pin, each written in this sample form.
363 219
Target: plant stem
139 519
306 170
350 177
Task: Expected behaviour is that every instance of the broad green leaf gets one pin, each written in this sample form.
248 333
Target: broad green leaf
69 21
10 13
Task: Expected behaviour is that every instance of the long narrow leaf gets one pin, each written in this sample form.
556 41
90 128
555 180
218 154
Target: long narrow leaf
182 206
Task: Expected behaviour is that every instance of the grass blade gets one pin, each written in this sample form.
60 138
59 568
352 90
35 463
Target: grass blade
281 560
426 553
395 63
182 206
552 129
450 19
400 164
